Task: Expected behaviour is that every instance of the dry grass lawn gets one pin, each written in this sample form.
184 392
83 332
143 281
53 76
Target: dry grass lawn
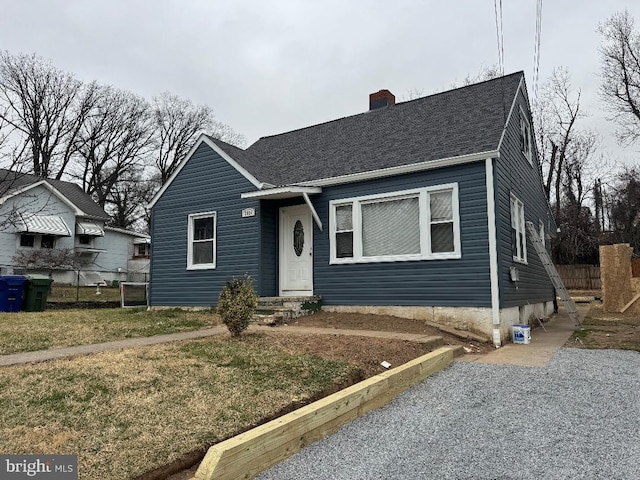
126 412
29 331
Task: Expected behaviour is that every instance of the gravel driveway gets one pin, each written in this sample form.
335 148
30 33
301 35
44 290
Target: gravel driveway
578 417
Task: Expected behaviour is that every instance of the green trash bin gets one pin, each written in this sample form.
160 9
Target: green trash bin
35 297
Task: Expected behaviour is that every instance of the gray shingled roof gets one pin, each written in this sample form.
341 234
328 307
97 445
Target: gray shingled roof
457 122
11 181
258 167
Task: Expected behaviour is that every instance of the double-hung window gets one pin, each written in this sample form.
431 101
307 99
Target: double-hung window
201 249
418 224
518 236
344 231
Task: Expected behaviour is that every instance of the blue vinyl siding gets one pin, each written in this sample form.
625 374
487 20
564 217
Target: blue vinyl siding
206 183
514 174
457 282
269 248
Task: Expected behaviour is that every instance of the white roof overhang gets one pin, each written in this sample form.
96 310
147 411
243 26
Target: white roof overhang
289 191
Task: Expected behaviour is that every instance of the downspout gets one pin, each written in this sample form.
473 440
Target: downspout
493 252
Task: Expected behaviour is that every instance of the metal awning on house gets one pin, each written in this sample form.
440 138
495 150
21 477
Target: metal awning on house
89 228
45 225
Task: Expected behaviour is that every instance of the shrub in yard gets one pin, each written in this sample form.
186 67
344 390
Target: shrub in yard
237 303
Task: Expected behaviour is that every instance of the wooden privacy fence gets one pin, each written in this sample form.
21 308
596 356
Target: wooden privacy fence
581 277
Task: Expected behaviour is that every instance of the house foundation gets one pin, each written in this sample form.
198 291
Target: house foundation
478 320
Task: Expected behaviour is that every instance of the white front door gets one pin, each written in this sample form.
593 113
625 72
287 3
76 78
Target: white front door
296 251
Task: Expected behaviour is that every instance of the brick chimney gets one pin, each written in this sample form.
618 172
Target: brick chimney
382 98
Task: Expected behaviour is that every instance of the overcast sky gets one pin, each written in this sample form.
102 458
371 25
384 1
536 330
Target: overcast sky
269 66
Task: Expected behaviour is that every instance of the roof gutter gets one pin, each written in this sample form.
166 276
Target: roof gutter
403 169
288 191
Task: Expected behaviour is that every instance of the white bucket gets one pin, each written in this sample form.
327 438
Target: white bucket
521 334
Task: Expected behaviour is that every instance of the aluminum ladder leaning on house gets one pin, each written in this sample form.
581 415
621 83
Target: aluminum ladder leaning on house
553 275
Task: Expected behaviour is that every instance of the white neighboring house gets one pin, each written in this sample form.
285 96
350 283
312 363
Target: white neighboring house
40 218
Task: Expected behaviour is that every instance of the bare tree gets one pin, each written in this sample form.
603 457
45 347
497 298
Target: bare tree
484 74
46 107
579 167
126 201
623 201
113 142
563 149
50 259
620 88
178 123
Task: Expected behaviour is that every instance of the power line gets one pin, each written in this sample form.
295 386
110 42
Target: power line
536 51
497 7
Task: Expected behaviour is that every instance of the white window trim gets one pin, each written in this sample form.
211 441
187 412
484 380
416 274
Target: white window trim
425 226
524 121
520 228
202 266
541 232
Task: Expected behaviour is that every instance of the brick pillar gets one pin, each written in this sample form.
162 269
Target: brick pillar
615 274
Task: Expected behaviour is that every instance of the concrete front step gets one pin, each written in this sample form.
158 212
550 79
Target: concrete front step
271 319
280 301
279 310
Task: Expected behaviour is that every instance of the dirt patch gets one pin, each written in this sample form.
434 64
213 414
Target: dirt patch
387 323
366 353
607 330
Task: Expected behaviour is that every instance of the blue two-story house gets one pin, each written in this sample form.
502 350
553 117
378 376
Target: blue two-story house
414 209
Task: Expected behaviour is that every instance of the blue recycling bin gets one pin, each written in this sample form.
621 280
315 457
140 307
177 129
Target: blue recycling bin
11 292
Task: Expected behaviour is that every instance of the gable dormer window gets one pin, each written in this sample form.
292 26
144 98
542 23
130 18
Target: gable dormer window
525 136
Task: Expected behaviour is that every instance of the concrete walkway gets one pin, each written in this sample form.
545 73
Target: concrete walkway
55 353
544 344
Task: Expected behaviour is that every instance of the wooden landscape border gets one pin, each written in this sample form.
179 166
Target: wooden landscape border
248 454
